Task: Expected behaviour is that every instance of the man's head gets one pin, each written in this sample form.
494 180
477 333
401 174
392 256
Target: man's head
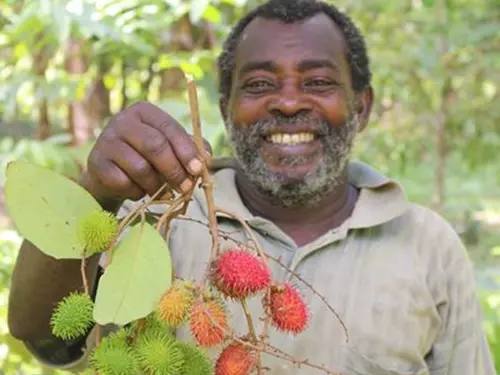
295 90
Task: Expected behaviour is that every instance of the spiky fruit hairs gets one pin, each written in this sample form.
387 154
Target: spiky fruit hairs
239 274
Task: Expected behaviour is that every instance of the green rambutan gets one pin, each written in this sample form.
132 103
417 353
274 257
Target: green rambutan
158 353
174 306
96 231
72 317
238 274
113 356
196 361
288 309
235 359
208 323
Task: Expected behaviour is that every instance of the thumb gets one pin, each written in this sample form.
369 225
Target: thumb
208 154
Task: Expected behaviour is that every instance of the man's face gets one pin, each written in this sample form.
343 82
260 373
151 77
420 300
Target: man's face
290 116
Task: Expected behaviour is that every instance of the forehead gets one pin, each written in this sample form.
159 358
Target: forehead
286 44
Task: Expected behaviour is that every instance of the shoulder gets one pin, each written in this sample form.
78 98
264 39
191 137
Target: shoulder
436 245
432 228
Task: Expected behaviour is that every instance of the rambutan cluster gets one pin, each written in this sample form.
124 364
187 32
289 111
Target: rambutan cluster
236 274
151 350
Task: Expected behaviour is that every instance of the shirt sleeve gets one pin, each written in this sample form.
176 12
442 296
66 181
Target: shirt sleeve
67 356
461 347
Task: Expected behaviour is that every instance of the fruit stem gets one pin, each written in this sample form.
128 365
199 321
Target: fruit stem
248 316
206 180
314 291
164 218
251 329
247 229
129 218
84 276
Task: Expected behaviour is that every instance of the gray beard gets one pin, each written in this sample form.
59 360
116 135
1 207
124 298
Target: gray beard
246 143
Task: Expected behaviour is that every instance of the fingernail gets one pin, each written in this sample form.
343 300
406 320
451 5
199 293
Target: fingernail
167 196
186 185
195 166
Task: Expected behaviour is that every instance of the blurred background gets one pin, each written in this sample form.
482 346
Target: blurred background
66 67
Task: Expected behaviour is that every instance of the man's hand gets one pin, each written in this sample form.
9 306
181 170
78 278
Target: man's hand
139 150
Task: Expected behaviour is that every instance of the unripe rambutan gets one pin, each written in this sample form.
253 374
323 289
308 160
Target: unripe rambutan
158 353
235 359
72 317
208 323
238 274
289 311
113 356
196 361
96 231
175 304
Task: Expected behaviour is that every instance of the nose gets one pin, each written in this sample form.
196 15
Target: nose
289 101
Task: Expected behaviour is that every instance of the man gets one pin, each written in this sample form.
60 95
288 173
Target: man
295 89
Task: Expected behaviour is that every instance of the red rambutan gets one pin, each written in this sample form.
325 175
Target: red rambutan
288 309
235 359
208 323
238 274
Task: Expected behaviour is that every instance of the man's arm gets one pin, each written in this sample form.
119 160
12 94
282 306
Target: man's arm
461 347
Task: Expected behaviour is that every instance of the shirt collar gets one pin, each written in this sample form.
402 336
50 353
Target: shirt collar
381 199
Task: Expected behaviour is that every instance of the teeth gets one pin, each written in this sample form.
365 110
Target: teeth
291 139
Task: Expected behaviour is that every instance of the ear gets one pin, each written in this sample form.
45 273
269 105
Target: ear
364 103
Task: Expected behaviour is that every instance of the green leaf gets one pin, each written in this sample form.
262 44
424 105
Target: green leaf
45 207
140 272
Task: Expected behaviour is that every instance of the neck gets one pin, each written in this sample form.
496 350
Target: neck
329 212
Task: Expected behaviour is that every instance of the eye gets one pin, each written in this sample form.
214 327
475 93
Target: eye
257 86
319 84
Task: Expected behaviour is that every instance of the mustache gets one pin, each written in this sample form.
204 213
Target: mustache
276 124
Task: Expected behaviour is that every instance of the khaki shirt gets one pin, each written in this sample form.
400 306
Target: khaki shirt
396 273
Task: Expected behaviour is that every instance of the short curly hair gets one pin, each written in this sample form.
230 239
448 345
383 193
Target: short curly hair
290 11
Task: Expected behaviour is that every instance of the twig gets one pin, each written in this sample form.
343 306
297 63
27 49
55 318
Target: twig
207 183
129 218
249 321
168 213
247 230
267 348
84 276
251 329
316 293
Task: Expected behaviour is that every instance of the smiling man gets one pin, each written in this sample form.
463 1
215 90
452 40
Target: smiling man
295 89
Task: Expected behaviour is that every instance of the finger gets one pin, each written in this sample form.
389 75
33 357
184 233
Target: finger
157 150
113 179
137 168
181 143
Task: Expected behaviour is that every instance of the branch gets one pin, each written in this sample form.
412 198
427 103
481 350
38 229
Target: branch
207 183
